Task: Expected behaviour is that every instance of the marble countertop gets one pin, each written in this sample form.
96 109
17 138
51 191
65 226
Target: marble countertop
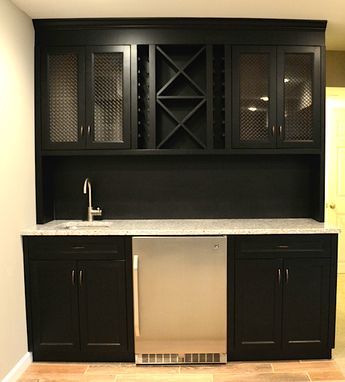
180 227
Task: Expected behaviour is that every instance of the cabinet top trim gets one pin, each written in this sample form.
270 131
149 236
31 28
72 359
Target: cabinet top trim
166 22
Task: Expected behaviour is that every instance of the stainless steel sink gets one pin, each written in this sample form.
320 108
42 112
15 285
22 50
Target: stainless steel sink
84 225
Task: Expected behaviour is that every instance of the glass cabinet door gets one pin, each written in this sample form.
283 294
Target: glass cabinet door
253 96
108 97
62 98
298 96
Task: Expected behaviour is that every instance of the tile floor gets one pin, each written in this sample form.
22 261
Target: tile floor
290 371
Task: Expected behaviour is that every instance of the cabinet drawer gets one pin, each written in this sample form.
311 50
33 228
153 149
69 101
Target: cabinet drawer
306 244
76 247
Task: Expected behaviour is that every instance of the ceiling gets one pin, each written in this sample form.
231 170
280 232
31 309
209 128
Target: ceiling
331 10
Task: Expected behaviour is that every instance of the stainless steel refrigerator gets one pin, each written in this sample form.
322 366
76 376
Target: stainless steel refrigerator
179 291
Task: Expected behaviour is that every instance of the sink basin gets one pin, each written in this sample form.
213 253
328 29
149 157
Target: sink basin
84 225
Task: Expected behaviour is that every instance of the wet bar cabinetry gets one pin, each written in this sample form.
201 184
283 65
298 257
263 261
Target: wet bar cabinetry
165 105
276 96
78 294
284 297
281 292
180 119
85 97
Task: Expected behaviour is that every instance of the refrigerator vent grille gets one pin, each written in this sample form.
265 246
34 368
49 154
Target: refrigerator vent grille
188 358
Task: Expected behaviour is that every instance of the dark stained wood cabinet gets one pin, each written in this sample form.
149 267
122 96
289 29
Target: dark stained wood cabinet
226 100
54 299
102 304
85 97
306 296
258 305
284 292
79 300
298 96
253 96
275 97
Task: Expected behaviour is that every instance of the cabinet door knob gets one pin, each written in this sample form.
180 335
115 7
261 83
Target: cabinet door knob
273 130
73 277
80 278
279 276
280 130
332 206
88 130
287 275
81 130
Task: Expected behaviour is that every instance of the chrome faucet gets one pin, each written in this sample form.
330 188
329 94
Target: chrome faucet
90 211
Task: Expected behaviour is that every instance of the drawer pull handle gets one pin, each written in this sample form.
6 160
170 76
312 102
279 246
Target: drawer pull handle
73 277
282 246
78 247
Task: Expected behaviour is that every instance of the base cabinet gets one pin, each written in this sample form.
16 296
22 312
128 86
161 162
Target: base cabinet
79 307
258 305
281 297
54 307
306 296
284 297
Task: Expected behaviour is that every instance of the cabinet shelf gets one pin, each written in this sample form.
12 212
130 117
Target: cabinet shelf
181 97
177 151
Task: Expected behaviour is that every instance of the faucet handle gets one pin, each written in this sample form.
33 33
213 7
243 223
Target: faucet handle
97 212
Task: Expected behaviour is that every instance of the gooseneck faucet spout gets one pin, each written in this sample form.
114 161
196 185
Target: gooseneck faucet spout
87 187
90 211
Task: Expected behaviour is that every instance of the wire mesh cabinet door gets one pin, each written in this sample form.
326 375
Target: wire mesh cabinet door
253 96
108 97
298 93
62 89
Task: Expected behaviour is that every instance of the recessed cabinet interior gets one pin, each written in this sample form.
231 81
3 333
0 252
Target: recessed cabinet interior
275 97
85 97
283 297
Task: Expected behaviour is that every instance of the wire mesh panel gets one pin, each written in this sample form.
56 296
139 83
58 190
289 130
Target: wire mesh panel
63 97
108 97
254 69
298 97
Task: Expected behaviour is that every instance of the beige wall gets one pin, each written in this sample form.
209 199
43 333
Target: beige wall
17 199
335 68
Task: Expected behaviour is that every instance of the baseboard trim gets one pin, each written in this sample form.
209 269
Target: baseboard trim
19 368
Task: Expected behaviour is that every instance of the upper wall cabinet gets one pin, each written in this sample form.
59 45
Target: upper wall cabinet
183 86
275 97
85 97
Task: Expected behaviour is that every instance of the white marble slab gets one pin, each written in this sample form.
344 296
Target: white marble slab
180 227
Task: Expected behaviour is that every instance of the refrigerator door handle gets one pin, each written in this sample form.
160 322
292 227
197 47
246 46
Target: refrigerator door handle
136 295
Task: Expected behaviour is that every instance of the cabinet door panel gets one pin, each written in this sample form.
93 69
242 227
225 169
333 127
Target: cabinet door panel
63 98
306 304
54 307
108 97
254 73
298 96
258 306
102 297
